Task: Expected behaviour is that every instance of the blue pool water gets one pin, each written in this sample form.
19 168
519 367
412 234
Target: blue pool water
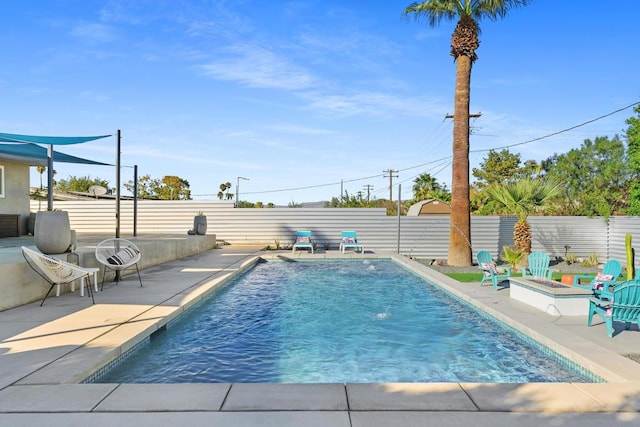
336 321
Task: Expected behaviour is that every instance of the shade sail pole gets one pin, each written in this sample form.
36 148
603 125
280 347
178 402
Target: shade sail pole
118 136
50 177
135 200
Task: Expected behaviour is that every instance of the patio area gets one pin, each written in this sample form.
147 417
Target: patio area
46 351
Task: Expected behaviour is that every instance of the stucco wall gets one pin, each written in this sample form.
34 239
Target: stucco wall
16 191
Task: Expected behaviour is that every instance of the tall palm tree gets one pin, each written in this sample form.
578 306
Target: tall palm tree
464 43
41 170
522 198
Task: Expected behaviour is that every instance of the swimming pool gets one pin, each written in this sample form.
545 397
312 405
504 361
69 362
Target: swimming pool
336 321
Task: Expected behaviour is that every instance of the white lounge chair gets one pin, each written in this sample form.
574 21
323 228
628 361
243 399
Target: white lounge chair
350 240
118 254
57 272
303 241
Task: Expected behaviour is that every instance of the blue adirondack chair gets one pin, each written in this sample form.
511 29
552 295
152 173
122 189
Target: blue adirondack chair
611 268
490 270
538 266
303 241
350 240
623 306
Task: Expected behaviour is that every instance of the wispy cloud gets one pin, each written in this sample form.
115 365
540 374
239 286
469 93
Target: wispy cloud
254 66
302 130
94 33
375 104
363 50
94 96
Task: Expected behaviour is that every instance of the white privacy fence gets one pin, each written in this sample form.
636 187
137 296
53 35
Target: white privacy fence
423 237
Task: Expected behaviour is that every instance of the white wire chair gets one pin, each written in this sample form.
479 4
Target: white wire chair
118 254
57 272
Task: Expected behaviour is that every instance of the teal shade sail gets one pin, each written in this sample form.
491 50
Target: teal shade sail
48 140
36 155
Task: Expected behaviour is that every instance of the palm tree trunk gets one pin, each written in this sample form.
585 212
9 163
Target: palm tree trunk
460 231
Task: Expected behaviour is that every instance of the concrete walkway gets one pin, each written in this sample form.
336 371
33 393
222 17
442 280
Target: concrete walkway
45 351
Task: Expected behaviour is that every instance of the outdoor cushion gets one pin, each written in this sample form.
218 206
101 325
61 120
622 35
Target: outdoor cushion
303 239
489 266
122 257
598 281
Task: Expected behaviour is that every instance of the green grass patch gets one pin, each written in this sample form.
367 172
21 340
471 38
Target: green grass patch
476 277
466 277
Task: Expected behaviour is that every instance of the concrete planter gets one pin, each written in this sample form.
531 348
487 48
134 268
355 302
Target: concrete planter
200 224
52 233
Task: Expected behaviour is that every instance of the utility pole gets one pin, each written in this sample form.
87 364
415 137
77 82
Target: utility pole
368 187
390 173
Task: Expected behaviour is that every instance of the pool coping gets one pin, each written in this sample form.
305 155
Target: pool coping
52 387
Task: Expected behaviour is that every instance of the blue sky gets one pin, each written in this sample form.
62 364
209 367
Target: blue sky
301 95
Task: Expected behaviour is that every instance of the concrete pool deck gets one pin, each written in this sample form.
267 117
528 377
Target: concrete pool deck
45 351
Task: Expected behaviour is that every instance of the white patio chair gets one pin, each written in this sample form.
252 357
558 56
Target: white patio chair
57 272
118 254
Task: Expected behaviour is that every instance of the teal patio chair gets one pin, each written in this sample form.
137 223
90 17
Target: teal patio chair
350 240
303 241
490 270
623 306
538 266
611 270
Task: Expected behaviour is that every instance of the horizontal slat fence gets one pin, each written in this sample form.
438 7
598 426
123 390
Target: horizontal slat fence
421 237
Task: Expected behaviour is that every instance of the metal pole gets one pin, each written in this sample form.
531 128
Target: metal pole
399 204
118 193
238 190
118 136
135 200
50 177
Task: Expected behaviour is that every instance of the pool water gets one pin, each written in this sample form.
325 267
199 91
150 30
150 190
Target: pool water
336 321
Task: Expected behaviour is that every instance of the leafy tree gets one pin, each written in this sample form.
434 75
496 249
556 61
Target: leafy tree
595 177
170 187
80 184
173 188
464 43
346 201
145 187
427 187
633 153
498 167
522 198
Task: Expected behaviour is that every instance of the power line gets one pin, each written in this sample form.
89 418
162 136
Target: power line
558 132
443 158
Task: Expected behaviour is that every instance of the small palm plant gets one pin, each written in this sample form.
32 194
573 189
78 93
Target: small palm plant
513 256
524 197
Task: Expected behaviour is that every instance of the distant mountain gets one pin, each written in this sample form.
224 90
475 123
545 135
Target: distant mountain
313 204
